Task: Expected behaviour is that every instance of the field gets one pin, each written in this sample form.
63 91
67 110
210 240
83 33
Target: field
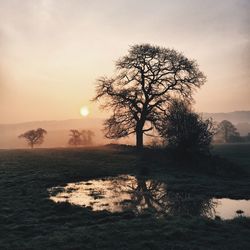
238 153
29 220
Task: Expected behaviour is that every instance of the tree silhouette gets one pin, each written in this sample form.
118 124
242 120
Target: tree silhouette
146 80
153 196
227 131
34 137
75 137
87 136
90 135
78 138
186 131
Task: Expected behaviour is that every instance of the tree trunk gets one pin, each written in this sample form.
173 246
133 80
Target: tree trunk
226 135
139 139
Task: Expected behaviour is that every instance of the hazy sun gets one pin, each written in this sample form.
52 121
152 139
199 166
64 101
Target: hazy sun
84 111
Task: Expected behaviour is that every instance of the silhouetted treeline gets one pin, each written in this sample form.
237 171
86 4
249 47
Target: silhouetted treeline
226 132
80 138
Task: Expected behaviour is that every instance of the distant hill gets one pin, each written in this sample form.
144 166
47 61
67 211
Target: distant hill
54 125
234 117
241 119
58 131
243 128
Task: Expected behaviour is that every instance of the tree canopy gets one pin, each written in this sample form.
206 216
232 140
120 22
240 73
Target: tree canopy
185 130
78 138
144 83
227 131
34 137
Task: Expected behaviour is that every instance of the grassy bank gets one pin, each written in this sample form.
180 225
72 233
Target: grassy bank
29 220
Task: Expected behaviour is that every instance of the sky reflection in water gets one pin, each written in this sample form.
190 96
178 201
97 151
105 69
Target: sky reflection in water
140 195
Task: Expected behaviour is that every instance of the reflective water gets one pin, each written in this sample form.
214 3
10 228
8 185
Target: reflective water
140 195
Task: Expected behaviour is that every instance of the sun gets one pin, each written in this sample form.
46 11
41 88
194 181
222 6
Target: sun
84 111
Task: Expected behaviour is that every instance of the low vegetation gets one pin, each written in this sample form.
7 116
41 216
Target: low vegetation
185 131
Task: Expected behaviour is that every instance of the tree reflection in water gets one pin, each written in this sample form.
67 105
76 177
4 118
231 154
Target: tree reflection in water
136 194
153 196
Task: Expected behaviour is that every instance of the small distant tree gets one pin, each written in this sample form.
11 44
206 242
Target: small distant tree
227 131
34 137
78 138
75 137
90 135
185 130
84 137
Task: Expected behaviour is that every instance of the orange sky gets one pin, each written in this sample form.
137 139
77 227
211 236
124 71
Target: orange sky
51 51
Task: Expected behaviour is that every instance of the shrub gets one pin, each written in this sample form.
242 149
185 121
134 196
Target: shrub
185 130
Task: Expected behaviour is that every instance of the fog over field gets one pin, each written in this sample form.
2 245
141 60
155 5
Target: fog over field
58 131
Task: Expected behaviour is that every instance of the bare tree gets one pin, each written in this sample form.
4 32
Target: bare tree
146 80
75 137
227 131
34 137
90 135
78 138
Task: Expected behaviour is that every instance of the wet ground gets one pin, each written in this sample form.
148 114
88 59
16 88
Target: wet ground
140 195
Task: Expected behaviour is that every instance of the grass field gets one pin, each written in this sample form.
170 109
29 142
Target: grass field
29 220
238 153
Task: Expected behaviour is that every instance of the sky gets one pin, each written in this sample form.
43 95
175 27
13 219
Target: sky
52 51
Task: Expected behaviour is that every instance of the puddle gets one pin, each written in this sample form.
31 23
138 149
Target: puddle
229 208
139 195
